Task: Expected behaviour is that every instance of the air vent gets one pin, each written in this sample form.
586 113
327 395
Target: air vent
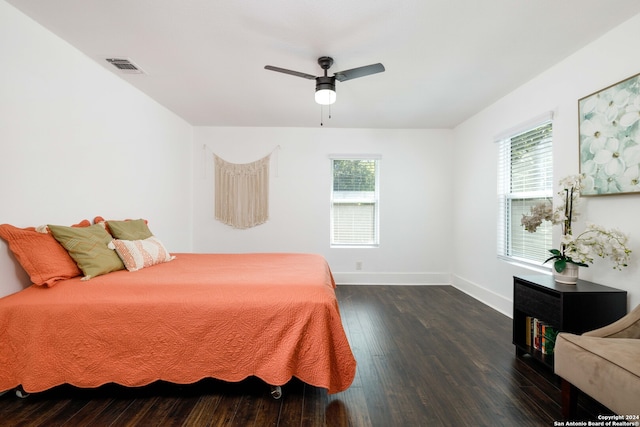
125 65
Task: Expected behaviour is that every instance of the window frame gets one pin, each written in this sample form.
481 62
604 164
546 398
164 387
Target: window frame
375 200
506 195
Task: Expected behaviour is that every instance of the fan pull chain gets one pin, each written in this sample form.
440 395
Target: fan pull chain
322 114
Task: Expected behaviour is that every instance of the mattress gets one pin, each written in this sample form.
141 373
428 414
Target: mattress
224 316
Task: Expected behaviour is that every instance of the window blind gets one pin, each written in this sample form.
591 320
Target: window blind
525 178
354 202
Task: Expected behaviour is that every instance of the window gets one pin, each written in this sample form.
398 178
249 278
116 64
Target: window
525 178
354 201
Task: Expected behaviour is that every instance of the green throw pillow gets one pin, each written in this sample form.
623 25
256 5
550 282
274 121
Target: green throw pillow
135 229
88 248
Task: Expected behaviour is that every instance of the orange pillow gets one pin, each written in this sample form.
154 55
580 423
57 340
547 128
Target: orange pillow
40 254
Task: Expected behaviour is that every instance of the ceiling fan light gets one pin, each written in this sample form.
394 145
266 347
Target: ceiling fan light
325 90
325 96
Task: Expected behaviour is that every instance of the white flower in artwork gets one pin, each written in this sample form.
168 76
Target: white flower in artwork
603 182
589 169
609 158
632 112
613 168
608 104
610 138
632 154
606 153
631 179
595 133
618 102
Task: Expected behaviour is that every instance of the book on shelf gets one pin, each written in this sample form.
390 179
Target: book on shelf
540 335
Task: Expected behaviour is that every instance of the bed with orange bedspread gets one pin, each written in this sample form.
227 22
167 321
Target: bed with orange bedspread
224 316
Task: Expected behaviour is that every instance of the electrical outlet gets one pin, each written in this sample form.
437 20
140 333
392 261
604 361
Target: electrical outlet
358 265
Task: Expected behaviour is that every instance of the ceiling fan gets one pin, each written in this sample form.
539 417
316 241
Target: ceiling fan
326 85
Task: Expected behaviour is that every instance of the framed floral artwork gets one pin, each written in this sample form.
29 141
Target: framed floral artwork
609 122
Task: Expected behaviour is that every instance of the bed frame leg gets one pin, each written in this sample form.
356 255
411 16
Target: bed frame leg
21 393
276 392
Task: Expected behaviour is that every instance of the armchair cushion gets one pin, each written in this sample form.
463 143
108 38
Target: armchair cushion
627 327
604 363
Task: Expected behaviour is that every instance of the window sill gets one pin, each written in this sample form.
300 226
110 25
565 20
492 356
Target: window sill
354 246
538 268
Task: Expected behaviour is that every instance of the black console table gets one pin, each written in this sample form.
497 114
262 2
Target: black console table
567 308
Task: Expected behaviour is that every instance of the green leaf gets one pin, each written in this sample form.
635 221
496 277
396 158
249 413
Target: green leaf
581 264
560 264
550 258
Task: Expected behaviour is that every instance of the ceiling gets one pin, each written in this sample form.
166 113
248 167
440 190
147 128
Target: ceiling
445 60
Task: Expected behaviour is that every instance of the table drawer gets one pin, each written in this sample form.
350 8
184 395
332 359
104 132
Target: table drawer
537 303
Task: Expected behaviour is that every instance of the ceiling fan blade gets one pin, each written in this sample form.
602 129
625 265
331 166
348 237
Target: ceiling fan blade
293 73
354 73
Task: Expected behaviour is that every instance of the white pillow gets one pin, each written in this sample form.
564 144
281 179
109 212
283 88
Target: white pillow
138 254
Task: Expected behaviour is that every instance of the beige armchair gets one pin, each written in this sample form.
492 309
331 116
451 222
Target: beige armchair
604 363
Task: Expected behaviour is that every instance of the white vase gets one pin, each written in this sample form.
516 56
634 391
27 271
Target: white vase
568 276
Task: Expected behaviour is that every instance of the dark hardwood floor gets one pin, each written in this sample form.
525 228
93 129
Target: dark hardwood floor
427 356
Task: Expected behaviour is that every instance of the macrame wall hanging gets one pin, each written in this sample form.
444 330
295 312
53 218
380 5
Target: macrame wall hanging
242 192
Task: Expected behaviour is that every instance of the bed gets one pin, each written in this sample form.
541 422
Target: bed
223 316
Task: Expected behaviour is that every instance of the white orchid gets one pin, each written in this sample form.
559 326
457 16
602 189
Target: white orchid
597 240
580 249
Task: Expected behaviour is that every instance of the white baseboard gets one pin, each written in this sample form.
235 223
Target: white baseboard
369 278
487 297
490 298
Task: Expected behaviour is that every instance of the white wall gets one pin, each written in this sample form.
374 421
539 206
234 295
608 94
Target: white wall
77 141
476 268
415 206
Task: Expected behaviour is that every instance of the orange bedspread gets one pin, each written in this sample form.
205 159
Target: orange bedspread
228 316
